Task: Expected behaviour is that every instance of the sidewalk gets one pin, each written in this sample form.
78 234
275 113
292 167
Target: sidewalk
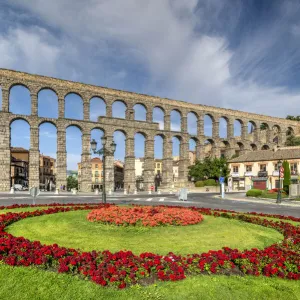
242 197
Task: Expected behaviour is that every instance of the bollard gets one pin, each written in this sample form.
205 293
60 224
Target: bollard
56 191
171 192
74 191
12 190
125 192
109 192
159 192
96 192
135 192
149 192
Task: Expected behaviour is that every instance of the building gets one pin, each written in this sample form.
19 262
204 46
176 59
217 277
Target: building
97 174
47 172
158 166
20 169
259 169
19 166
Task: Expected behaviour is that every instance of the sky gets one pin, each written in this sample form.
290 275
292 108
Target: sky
234 54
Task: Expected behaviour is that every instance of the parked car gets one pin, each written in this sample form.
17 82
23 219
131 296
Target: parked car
18 187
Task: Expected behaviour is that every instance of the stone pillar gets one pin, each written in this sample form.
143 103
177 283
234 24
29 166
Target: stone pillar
215 151
230 129
5 99
183 161
129 114
215 128
34 103
129 170
109 110
184 126
34 158
149 117
149 163
109 166
5 181
200 155
200 127
167 125
86 168
61 158
61 107
86 109
256 134
244 131
167 163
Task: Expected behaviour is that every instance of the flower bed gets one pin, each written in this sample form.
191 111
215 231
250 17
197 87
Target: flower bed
124 268
145 216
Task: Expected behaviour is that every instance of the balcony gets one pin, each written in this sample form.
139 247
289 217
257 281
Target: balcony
249 173
235 174
275 173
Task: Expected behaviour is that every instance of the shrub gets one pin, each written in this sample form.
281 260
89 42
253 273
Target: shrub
254 193
199 184
210 182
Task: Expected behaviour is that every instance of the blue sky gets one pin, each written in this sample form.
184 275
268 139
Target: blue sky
235 54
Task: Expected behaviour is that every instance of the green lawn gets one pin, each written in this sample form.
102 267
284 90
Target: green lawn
72 229
30 283
24 209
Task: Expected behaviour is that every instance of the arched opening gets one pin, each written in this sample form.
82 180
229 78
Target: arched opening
97 134
139 152
47 104
176 157
175 120
251 130
20 100
208 125
159 117
119 109
192 123
264 129
223 124
290 131
224 147
74 149
237 128
158 154
240 148
48 149
19 153
192 151
253 147
119 156
97 108
265 147
140 112
208 148
73 107
276 132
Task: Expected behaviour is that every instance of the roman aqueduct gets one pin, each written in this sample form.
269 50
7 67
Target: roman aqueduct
274 131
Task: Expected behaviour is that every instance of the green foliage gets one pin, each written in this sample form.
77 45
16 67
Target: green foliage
199 184
263 126
254 193
210 182
292 140
72 183
209 168
287 176
293 118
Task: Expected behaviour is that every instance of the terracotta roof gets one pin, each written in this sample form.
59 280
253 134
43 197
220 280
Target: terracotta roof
266 155
96 159
18 149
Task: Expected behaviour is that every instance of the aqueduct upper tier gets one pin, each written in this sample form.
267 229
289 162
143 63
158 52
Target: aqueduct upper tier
265 132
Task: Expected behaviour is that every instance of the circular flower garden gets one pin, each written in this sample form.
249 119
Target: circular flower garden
124 268
145 216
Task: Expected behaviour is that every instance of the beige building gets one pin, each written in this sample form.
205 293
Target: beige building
139 166
157 166
97 173
47 172
259 169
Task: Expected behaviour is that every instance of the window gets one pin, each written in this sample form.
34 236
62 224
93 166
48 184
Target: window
96 180
276 167
263 168
235 169
96 166
248 168
293 167
96 174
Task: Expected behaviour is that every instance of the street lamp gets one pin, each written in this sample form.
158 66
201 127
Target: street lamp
279 164
103 151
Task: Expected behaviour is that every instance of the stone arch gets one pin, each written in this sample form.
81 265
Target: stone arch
253 147
74 124
73 106
97 108
140 112
192 122
47 103
52 122
175 120
119 137
237 127
251 127
96 134
74 145
208 124
265 147
119 108
16 93
224 146
223 127
158 116
193 147
209 147
264 132
290 131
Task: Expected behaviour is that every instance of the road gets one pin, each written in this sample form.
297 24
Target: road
199 200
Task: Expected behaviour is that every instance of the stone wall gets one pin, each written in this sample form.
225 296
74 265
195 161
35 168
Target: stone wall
275 127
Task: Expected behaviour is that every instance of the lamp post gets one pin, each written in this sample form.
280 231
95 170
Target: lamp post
103 151
279 164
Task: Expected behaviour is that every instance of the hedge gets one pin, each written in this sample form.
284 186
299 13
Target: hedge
199 184
254 193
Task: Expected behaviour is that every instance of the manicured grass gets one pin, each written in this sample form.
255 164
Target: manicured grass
24 209
30 283
72 229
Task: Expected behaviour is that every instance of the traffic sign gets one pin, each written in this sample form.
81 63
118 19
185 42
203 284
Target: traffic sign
221 179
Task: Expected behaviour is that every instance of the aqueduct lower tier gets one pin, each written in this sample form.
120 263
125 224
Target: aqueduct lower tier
275 130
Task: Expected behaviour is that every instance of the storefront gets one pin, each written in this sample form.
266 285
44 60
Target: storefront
238 183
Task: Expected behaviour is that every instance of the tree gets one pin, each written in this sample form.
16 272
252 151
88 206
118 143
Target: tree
209 168
72 183
287 176
263 126
292 140
293 118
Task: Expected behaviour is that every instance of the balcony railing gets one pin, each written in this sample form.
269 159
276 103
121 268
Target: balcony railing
275 173
249 173
235 174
